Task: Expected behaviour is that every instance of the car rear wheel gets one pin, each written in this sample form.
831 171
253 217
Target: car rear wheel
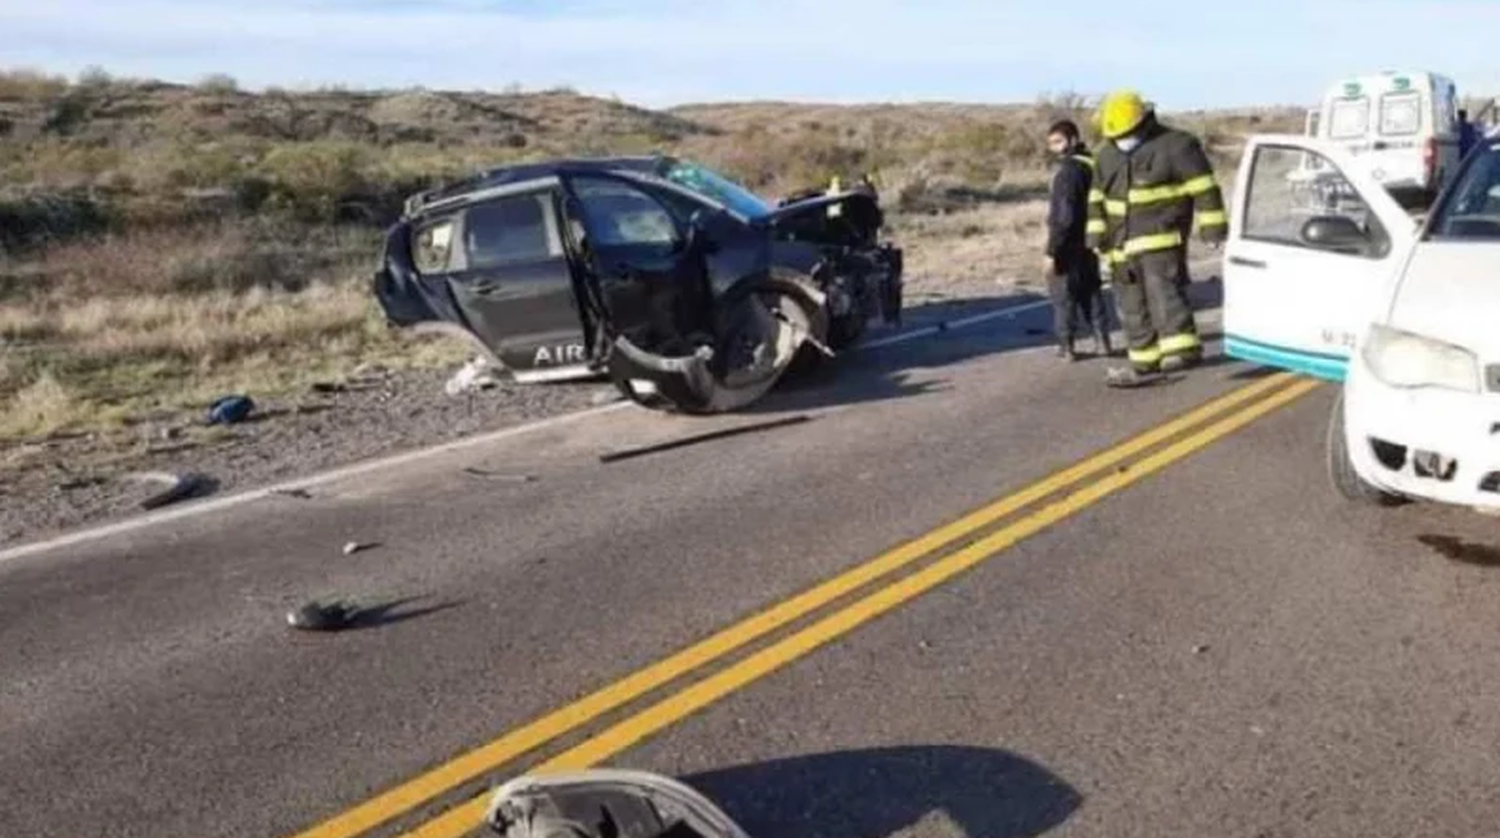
1346 481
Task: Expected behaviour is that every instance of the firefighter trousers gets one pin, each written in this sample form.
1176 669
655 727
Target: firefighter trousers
1152 290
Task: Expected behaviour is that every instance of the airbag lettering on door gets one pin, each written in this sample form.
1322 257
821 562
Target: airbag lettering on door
564 353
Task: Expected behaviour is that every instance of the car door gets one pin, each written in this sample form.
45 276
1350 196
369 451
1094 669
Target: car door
634 246
513 284
1307 260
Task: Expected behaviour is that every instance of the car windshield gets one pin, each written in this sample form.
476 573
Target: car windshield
717 188
1471 209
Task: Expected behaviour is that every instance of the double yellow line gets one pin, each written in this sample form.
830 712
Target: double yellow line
1178 438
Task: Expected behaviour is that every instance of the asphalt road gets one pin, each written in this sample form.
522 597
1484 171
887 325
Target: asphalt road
1194 637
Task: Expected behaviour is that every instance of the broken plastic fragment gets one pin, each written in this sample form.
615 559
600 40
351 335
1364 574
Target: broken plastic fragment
322 616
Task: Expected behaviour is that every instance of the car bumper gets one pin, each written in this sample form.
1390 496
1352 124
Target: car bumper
1431 444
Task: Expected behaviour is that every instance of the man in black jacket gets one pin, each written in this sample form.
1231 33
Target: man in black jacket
1071 266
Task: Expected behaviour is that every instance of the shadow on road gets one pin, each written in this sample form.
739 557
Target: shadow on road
875 793
395 611
1459 550
879 373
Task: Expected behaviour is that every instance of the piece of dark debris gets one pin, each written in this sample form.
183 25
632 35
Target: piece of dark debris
177 487
500 476
322 616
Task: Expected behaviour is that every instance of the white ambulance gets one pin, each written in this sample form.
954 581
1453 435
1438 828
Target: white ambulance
1405 313
1403 126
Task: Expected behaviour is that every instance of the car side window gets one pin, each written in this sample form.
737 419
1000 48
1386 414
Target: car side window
512 230
1290 186
617 213
432 247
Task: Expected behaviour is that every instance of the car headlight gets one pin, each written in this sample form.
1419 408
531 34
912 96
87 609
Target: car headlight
1404 359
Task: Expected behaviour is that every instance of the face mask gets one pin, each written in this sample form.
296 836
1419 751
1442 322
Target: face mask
1127 144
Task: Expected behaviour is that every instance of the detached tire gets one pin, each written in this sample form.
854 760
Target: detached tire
1346 481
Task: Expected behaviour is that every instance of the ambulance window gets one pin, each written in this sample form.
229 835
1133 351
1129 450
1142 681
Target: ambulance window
1350 118
1400 114
1289 186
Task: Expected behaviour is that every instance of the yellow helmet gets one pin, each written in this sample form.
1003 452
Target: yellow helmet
1120 112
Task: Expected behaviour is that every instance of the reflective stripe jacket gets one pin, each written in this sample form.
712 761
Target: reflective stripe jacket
1067 215
1149 199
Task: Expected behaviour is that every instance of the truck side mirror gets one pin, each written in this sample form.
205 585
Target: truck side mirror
1335 232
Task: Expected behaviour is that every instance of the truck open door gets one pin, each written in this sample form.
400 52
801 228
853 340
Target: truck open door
1307 260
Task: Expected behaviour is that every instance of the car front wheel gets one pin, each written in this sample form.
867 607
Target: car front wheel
1341 471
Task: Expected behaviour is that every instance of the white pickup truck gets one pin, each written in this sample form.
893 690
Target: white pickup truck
1404 312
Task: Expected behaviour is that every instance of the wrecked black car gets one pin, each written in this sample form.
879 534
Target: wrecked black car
689 291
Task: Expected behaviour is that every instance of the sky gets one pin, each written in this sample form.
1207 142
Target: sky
665 52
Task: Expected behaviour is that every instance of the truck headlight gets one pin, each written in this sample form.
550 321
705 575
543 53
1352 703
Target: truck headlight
1404 359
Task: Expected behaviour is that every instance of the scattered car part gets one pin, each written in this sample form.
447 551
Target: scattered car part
680 442
322 616
230 410
178 486
500 476
685 289
472 377
358 547
605 803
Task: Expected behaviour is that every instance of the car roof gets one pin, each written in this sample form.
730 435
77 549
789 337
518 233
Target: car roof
524 172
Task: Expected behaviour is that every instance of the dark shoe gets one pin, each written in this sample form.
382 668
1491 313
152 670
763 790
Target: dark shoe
1101 344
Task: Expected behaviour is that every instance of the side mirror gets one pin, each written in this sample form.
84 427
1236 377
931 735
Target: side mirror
1335 232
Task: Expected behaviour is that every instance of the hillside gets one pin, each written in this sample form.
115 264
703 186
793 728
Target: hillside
161 244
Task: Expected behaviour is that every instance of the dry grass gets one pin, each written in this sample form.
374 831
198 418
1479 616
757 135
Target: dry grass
163 244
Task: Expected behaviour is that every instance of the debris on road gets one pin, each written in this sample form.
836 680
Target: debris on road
230 410
76 483
358 547
606 396
500 475
472 377
322 616
300 494
1201 649
628 453
178 486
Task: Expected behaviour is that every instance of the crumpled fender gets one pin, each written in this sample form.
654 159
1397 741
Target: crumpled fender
605 802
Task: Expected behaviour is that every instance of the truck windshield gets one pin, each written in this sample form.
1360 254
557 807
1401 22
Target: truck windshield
717 188
1471 209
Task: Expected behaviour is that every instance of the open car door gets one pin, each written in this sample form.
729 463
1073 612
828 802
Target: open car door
664 337
1313 241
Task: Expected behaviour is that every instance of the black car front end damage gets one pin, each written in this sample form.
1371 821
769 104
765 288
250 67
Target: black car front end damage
684 289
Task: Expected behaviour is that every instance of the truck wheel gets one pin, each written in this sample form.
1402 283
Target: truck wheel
1346 481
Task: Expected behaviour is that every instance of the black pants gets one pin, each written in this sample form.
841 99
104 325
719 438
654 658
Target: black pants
1077 297
1158 316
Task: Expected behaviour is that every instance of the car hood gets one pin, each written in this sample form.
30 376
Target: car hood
1450 291
802 208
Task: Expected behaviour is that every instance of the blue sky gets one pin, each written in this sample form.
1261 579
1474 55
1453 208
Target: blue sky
663 52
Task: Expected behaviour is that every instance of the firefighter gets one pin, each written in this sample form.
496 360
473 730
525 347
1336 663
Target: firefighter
1152 184
1071 268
